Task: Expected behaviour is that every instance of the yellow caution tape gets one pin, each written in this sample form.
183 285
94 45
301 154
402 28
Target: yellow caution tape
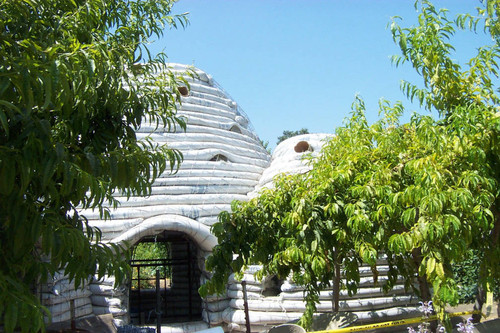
392 323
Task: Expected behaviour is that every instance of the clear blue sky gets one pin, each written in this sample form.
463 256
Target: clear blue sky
299 63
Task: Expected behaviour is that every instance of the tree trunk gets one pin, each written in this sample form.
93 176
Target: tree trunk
481 292
336 283
423 285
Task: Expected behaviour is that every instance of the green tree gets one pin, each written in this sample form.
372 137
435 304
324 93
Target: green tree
289 134
421 193
71 98
151 251
492 22
265 144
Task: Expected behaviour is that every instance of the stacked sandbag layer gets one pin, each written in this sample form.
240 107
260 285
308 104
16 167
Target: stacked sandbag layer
109 299
265 311
58 294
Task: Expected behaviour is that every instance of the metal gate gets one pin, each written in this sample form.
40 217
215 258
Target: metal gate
179 280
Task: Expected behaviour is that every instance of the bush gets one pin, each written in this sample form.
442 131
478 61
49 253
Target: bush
466 274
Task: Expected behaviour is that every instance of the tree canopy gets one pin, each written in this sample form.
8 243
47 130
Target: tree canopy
72 94
288 134
419 193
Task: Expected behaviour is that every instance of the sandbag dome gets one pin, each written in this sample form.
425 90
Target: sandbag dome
223 161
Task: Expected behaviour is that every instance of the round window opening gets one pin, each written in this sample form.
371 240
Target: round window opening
184 91
302 146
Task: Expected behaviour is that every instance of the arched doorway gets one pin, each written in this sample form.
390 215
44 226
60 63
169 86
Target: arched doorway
175 256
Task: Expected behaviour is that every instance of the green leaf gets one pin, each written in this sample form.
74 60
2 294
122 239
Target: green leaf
7 175
314 245
10 317
4 122
430 266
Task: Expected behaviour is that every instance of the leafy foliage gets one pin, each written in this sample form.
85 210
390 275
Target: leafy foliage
150 251
71 97
265 144
289 134
466 273
421 193
427 47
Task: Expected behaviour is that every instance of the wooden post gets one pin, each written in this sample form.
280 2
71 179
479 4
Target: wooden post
72 314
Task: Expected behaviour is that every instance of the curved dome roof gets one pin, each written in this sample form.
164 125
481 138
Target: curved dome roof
223 161
288 157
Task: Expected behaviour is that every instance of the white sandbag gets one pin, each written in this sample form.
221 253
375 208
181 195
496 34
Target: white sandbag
217 306
51 299
362 292
60 286
188 211
239 294
202 110
249 287
260 318
215 298
58 276
300 306
200 189
204 181
213 318
382 269
105 280
204 95
119 322
113 225
100 310
261 305
208 90
106 301
210 169
366 281
385 314
106 290
208 221
80 312
208 103
59 308
181 199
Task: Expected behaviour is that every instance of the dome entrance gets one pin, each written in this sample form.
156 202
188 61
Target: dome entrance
165 271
